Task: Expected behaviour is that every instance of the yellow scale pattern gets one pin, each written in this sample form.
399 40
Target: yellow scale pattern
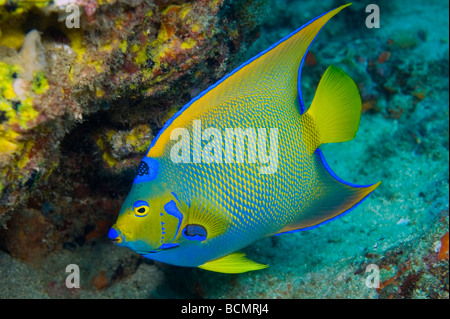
255 204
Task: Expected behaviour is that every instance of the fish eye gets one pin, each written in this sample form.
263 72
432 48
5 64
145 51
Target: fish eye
140 208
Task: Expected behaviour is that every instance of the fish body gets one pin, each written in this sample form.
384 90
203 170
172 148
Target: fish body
241 162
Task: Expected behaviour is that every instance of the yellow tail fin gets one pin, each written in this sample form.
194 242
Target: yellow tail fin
336 107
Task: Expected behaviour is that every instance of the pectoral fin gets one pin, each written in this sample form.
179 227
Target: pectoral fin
204 221
234 263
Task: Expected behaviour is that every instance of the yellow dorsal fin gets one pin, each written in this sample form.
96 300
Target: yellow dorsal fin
336 107
234 263
272 75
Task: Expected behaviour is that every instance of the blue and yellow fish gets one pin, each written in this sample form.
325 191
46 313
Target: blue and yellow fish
196 202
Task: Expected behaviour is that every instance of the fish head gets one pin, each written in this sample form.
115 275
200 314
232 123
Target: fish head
149 220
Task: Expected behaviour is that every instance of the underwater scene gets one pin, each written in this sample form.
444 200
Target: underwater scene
220 149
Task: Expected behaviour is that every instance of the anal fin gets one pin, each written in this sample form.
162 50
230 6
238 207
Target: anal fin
234 263
334 198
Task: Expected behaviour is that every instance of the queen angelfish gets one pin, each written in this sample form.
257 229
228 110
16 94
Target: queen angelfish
196 202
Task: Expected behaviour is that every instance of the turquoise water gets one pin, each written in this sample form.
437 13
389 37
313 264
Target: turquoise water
402 72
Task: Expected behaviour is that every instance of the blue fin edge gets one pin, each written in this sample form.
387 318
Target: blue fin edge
327 167
299 77
200 95
330 171
328 220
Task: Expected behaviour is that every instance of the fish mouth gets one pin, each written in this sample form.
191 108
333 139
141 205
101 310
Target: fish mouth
115 234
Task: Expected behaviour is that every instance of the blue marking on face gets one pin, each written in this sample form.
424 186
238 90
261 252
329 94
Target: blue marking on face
140 208
167 246
162 247
112 234
140 203
195 232
147 171
172 209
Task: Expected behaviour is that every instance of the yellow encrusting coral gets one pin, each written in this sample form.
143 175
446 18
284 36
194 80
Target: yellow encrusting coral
123 46
76 38
116 145
188 44
7 75
11 37
8 145
16 8
17 114
106 154
139 137
40 83
18 111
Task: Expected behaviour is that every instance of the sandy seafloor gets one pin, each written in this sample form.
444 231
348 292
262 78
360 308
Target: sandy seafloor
399 228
